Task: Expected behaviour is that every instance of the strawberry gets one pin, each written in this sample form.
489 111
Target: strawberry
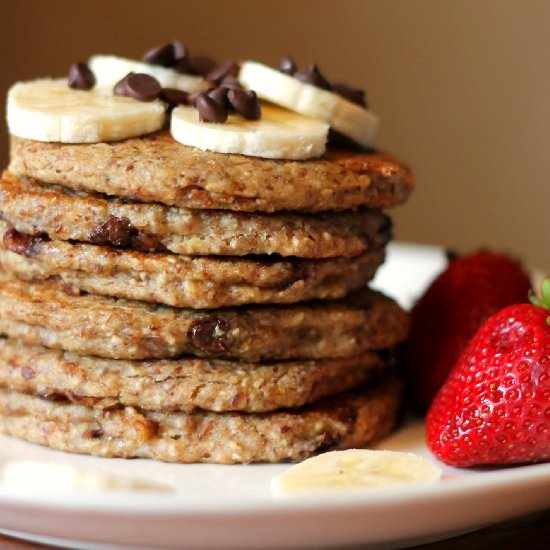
495 406
444 320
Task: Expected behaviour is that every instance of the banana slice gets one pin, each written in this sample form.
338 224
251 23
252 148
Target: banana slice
354 469
109 69
48 110
350 119
279 134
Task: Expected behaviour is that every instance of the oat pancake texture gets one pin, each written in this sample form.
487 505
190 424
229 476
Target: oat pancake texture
355 419
182 281
36 208
155 168
43 313
183 384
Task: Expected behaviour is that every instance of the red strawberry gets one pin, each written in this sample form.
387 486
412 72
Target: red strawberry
495 406
444 320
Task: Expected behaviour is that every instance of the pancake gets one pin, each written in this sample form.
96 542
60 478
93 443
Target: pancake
350 420
182 281
155 168
36 208
182 384
44 314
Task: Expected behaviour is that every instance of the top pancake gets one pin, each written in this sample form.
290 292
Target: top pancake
155 168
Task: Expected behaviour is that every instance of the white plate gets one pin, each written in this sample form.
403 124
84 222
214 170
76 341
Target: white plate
231 506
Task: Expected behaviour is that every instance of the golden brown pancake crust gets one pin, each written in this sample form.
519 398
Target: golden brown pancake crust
181 384
155 168
34 208
354 419
182 281
43 313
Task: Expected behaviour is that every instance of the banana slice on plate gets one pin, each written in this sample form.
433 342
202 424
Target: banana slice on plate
109 69
48 110
354 469
352 120
279 134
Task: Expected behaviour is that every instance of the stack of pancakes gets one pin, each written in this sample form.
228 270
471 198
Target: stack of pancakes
165 302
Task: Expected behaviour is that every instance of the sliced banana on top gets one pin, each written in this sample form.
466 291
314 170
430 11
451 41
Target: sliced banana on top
279 134
352 120
354 469
48 110
109 69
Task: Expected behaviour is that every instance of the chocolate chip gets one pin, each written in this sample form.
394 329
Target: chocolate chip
355 95
180 50
161 55
20 243
174 97
312 75
146 243
182 65
81 77
96 433
182 61
201 65
52 396
114 231
210 110
174 55
227 68
120 87
210 336
245 102
192 98
287 65
231 82
119 232
219 95
142 87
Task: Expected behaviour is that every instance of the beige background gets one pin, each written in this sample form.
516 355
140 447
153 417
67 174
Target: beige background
462 87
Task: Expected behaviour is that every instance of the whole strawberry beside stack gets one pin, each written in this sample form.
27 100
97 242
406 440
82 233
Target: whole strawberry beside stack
495 406
448 315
